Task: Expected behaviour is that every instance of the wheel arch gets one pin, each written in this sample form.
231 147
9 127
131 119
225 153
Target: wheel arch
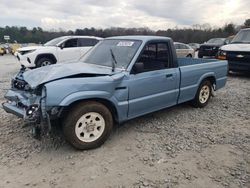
46 55
107 103
212 80
210 77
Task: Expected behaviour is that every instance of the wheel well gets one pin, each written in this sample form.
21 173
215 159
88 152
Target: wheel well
105 102
211 79
189 55
49 56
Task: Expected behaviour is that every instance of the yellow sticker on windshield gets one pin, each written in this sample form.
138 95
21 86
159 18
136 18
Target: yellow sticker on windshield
125 43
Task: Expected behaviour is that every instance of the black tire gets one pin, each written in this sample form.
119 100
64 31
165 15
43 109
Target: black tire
41 62
197 102
200 56
77 112
189 55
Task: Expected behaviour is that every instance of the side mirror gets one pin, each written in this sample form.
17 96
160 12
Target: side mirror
138 68
62 46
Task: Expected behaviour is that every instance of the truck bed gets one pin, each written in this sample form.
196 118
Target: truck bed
193 71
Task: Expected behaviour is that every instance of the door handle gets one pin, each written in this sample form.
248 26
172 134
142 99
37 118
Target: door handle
169 75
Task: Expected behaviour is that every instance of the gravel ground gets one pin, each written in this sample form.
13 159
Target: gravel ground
177 147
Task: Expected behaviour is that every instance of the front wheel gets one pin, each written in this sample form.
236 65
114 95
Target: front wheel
203 94
44 62
88 125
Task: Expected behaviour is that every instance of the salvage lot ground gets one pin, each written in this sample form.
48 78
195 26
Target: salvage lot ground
177 147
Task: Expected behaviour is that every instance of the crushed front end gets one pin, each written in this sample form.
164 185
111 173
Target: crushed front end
25 102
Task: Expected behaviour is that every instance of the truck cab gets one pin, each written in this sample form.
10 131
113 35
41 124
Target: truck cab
237 52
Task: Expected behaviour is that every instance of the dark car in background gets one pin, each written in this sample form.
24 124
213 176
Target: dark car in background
211 47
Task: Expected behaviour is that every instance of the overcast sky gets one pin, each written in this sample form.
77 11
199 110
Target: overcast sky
155 14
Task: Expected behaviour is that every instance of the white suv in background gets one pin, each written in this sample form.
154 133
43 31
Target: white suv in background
58 50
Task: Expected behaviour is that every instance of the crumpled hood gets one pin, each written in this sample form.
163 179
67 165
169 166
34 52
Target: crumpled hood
236 47
58 71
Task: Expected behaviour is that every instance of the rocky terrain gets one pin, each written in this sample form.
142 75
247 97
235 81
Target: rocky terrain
178 147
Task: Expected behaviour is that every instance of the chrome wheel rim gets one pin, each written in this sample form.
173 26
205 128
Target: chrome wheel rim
90 127
204 94
45 63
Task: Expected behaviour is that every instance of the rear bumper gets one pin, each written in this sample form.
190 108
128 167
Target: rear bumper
239 66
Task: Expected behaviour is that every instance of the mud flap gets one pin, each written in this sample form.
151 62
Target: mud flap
36 132
213 90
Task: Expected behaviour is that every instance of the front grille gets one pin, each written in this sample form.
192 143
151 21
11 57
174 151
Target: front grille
209 48
238 56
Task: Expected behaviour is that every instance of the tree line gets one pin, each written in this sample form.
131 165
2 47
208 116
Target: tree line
197 33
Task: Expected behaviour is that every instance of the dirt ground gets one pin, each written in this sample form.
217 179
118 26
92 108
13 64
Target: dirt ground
178 147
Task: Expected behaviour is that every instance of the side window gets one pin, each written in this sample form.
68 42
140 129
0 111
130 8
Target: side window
177 46
82 42
155 56
181 46
71 43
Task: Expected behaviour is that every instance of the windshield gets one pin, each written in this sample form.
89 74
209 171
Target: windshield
216 41
55 41
242 37
123 52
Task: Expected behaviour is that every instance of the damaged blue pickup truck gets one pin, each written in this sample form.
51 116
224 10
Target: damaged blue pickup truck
119 79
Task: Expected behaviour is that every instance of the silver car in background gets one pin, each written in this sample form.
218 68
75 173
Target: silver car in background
184 50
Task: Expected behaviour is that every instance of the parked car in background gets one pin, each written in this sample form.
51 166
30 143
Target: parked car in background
237 52
58 50
2 50
120 79
195 46
183 50
14 47
229 39
211 47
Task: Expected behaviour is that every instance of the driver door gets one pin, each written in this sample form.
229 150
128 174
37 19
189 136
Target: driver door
155 85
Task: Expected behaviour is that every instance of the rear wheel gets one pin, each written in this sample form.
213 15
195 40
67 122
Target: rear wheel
88 125
189 55
203 94
44 62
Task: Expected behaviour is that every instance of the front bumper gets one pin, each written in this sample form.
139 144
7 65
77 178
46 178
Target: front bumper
25 61
23 105
13 109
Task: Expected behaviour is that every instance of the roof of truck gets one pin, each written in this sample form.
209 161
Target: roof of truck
140 37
